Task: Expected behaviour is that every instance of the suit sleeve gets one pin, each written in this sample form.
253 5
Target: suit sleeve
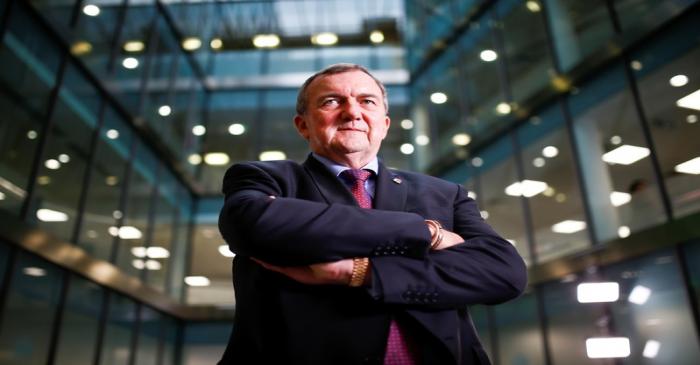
485 269
257 220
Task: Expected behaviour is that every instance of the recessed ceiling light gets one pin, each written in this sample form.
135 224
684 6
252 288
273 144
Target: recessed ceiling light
616 140
605 292
477 161
488 55
34 271
636 65
194 159
138 251
407 148
690 101
607 347
138 264
50 215
438 98
191 43
376 36
112 134
236 129
503 108
678 80
32 134
422 140
216 43
133 46
651 349
324 39
461 139
153 265
266 40
216 158
197 281
533 6
91 10
407 124
199 130
623 232
63 158
626 154
618 198
526 188
130 63
164 110
691 119
569 226
550 152
538 162
639 295
689 167
129 233
272 156
80 48
225 251
52 164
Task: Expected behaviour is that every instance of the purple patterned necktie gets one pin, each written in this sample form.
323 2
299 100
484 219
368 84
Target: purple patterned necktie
397 352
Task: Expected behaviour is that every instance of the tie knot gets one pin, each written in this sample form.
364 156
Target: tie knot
356 174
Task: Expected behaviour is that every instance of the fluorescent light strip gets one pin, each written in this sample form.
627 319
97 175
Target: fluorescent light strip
691 167
626 154
598 292
607 347
690 101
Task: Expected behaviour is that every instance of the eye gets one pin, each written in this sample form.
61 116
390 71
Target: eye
369 101
330 102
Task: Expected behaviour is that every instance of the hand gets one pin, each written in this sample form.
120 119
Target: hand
449 238
337 272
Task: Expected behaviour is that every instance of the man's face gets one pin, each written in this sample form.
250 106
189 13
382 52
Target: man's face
345 119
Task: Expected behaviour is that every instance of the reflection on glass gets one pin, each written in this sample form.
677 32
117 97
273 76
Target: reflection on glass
29 311
638 17
150 332
692 255
77 337
614 158
519 336
160 245
116 346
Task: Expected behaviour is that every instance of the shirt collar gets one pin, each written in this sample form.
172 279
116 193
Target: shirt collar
337 168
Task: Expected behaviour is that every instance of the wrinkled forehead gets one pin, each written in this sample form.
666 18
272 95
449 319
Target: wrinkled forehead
351 81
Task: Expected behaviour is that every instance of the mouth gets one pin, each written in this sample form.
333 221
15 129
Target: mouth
352 130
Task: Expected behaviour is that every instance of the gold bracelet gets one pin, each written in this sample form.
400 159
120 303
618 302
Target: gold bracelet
359 271
439 234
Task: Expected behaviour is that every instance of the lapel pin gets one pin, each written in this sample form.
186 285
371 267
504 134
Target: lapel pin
397 180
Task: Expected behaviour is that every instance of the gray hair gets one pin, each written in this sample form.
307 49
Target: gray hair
338 68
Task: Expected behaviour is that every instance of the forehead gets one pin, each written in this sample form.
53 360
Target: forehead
353 82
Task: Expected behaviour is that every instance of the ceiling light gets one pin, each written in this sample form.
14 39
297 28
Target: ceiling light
678 80
376 36
477 161
533 6
618 198
560 198
471 194
422 140
117 214
153 265
607 347
488 55
691 119
324 39
626 154
527 188
538 162
484 214
130 63
91 10
138 264
569 226
550 152
43 180
598 292
438 98
194 159
225 251
63 158
623 232
112 134
133 46
2 195
503 108
216 43
407 124
199 130
32 134
266 40
639 295
272 156
636 65
216 158
616 140
549 191
197 281
690 101
164 110
651 349
111 180
191 43
80 48
49 215
689 167
52 164
461 139
157 252
407 148
236 129
138 251
129 233
34 271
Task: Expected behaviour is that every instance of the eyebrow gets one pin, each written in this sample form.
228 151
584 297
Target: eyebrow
337 95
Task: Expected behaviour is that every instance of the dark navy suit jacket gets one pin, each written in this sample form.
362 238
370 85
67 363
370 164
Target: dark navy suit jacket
290 214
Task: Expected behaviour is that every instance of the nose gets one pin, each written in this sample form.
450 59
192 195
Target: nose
352 110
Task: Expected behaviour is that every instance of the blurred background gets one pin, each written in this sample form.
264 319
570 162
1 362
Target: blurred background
574 124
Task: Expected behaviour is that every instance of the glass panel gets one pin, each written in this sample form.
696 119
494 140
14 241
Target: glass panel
92 39
105 188
480 318
667 72
157 262
292 60
548 157
638 17
204 343
616 167
78 334
579 29
136 218
500 196
29 311
519 336
150 331
180 257
28 73
170 333
524 37
116 346
60 176
4 256
692 256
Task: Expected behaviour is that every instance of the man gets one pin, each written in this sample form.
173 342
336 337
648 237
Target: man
367 265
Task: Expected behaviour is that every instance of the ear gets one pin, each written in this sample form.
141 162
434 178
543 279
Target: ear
301 125
387 124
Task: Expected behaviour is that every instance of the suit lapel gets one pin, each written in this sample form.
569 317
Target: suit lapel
391 190
330 187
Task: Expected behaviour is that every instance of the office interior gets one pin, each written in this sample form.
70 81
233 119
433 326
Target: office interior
574 125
